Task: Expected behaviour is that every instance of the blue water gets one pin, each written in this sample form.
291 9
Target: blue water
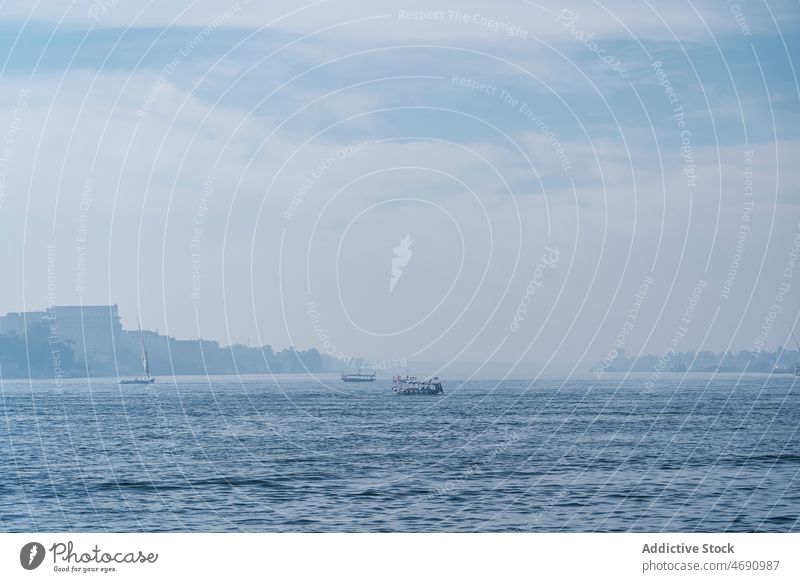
297 454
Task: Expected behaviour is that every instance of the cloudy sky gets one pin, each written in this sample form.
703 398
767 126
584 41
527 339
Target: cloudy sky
564 176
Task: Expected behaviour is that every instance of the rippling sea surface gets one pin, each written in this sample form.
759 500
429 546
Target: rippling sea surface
298 453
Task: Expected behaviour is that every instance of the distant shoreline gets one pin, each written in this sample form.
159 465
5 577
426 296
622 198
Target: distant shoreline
460 378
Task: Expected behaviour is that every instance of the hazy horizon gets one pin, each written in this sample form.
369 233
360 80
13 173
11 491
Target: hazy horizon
461 183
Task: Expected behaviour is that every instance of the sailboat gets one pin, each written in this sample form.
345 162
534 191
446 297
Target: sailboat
147 378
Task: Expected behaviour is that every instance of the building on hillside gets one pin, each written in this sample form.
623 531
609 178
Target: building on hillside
18 322
92 328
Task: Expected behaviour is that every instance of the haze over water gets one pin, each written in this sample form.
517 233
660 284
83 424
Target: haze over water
699 453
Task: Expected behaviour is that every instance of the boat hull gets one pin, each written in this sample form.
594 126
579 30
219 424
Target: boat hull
138 381
417 388
425 392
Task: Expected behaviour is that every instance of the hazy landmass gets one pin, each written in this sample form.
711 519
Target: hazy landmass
781 361
63 342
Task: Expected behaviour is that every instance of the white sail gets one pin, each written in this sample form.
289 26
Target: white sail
145 363
146 366
147 378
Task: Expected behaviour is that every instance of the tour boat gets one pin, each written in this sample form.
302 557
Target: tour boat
359 377
411 385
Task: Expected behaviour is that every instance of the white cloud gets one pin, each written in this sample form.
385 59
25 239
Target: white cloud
155 143
441 21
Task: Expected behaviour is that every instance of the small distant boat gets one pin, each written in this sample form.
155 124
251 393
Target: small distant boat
411 385
147 378
358 377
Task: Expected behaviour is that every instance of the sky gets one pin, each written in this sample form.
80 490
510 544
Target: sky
446 181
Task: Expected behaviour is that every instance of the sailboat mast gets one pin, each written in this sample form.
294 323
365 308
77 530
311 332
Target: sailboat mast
145 363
